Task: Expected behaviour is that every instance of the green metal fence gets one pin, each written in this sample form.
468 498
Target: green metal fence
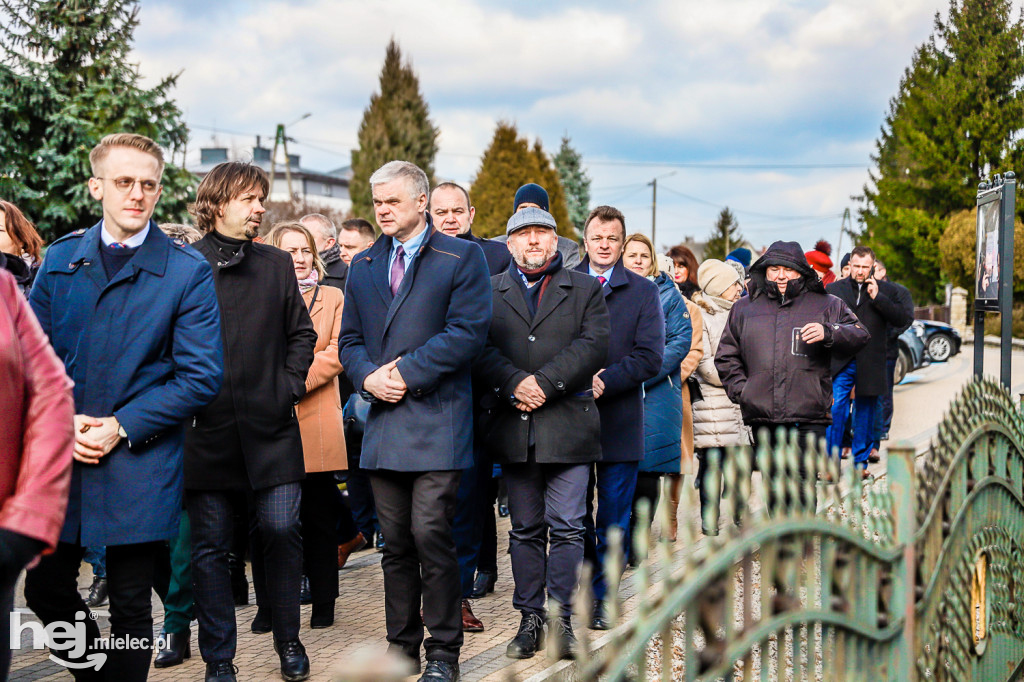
917 576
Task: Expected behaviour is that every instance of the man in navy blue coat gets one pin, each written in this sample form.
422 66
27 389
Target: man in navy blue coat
452 213
634 355
417 311
134 317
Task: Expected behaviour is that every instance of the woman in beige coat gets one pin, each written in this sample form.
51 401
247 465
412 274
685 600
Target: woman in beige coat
717 421
320 423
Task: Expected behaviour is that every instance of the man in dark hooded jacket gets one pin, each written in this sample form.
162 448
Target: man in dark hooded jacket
775 355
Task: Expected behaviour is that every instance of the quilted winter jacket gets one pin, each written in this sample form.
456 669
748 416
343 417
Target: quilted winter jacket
717 421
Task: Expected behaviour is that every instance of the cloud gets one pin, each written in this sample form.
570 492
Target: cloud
748 81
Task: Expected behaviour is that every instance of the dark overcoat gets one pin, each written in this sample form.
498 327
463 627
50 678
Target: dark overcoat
144 347
563 345
877 315
496 253
635 350
335 275
248 437
437 323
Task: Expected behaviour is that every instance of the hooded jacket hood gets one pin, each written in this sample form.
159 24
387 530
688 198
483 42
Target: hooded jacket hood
786 254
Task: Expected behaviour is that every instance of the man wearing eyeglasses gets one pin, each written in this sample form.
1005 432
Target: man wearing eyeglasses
134 317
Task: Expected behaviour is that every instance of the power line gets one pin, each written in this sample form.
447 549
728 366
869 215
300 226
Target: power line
766 216
727 166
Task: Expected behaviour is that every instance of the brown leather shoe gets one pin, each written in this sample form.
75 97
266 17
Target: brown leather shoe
470 623
353 545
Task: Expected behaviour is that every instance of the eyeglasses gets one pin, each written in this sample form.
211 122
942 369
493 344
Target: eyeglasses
125 185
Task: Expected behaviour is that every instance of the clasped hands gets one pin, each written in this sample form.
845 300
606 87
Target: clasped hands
386 383
529 395
95 437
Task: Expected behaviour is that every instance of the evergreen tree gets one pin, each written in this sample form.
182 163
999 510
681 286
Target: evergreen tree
575 182
957 116
67 82
396 125
725 236
507 164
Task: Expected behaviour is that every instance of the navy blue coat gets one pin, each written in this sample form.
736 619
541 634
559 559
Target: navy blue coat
663 394
146 348
438 324
635 352
496 253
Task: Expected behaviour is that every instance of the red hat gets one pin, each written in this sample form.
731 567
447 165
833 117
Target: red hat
819 257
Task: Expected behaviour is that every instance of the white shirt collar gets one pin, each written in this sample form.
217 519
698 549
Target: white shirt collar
133 242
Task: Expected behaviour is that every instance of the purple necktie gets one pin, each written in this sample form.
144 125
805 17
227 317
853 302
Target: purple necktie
601 279
397 270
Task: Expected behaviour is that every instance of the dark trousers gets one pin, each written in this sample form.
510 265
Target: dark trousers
415 510
319 511
212 515
883 413
487 562
648 487
173 580
469 522
51 590
547 503
360 493
863 415
8 579
345 528
802 430
615 483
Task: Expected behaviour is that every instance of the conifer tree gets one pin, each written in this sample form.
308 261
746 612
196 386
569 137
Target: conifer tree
396 125
575 182
507 164
725 236
67 82
957 116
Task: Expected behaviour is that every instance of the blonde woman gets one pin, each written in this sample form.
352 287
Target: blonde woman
320 423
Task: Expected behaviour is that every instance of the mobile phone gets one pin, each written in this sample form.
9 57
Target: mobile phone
799 346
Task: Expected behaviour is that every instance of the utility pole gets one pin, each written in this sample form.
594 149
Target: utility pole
282 139
654 208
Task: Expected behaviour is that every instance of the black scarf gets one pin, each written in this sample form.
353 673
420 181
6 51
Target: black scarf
534 294
331 255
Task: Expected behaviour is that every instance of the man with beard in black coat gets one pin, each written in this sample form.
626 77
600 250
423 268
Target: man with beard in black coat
874 303
776 352
548 337
246 443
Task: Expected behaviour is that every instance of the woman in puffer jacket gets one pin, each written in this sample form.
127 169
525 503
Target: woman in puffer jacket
717 421
663 400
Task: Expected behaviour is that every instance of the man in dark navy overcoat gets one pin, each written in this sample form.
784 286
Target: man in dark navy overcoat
417 310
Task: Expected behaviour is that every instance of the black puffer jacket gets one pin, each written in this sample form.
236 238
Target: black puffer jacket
773 377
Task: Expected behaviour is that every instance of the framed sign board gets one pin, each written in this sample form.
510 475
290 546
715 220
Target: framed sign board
988 257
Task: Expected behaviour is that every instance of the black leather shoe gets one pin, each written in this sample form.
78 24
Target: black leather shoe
503 511
294 662
440 671
598 620
305 596
176 649
97 593
379 542
262 622
567 645
483 584
221 671
530 638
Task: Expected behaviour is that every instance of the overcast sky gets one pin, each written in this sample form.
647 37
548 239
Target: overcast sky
742 90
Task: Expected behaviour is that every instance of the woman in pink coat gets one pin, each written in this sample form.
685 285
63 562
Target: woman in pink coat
36 441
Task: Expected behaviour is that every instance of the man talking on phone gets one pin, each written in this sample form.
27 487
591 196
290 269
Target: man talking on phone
864 372
776 352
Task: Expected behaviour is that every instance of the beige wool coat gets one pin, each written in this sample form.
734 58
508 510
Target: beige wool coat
319 413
